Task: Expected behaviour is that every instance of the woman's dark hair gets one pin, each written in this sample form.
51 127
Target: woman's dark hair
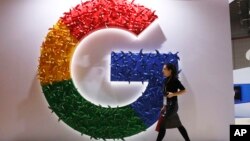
172 67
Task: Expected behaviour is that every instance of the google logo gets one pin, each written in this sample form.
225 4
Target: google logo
56 79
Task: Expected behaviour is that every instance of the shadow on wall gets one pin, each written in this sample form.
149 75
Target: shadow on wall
188 100
37 121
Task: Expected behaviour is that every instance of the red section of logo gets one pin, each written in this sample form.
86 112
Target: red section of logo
90 16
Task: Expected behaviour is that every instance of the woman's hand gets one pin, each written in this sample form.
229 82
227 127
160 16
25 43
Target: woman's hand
170 94
163 109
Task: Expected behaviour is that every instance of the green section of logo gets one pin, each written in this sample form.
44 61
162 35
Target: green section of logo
87 118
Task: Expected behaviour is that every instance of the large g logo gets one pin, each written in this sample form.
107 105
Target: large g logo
56 80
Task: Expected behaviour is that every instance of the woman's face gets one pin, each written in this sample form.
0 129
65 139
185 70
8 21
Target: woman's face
166 72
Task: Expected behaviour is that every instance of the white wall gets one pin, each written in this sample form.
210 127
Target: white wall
199 30
241 76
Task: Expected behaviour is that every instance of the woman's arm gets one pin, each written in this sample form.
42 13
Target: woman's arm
181 88
176 93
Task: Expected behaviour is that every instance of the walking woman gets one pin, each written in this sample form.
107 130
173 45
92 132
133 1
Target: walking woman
172 88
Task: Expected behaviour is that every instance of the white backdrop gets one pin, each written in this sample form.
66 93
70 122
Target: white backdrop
198 29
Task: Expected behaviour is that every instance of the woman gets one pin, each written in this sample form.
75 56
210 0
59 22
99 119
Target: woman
172 88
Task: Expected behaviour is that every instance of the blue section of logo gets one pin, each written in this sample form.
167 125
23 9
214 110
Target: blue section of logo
143 67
